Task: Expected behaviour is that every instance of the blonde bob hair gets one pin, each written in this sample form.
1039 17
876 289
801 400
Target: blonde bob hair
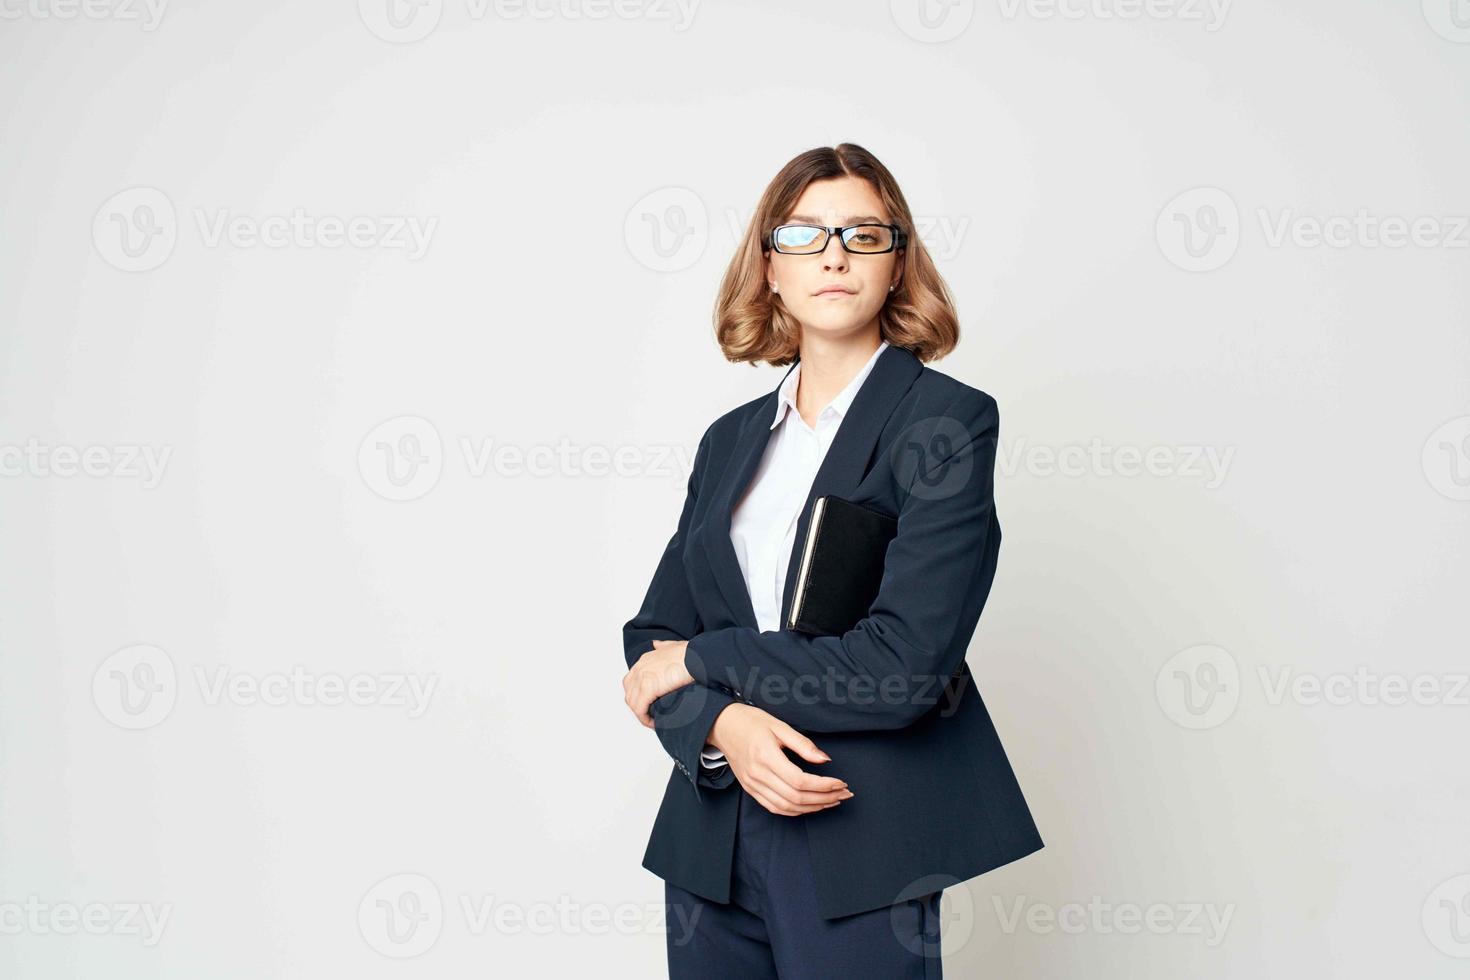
752 323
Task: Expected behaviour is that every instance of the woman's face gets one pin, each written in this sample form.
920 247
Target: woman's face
838 202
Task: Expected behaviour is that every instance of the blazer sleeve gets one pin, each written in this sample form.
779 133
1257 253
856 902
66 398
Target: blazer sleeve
891 667
682 718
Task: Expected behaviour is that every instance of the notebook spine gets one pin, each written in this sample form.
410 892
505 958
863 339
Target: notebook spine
806 561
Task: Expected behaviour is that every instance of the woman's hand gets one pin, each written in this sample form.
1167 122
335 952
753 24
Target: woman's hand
754 741
655 674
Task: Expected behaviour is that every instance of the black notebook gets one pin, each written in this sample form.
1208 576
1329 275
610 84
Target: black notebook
841 566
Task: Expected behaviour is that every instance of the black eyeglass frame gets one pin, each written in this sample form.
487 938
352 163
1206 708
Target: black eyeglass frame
900 239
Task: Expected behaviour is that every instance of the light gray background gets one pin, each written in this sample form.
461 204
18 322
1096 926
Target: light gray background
1234 694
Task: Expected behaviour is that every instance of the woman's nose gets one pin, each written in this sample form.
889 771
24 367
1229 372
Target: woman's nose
834 256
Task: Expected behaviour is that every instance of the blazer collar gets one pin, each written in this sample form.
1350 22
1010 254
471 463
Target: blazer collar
786 392
842 469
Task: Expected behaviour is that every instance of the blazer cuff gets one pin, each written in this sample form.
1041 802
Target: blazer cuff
683 719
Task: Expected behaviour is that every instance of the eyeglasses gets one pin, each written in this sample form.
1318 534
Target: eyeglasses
860 239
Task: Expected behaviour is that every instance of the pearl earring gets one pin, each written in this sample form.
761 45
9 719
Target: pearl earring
775 288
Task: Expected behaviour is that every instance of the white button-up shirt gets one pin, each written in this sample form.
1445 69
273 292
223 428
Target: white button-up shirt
763 524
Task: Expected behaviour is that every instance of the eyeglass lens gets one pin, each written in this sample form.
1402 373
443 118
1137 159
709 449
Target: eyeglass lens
806 239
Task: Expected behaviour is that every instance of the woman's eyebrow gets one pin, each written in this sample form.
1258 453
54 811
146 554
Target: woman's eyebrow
855 219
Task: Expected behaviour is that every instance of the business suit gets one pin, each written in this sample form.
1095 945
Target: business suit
891 701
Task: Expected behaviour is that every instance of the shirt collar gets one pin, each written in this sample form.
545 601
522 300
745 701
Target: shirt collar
786 397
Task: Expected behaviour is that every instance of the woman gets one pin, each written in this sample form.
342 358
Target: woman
828 861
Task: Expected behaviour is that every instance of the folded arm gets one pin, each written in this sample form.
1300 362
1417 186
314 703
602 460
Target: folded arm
681 718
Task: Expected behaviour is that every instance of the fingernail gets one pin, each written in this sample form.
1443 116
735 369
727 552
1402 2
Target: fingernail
849 795
826 757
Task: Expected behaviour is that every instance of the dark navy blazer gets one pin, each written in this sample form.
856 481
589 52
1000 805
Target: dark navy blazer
892 701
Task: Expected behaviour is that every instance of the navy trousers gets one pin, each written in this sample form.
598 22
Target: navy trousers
770 928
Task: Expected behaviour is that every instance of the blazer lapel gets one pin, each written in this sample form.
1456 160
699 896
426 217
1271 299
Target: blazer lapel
842 469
